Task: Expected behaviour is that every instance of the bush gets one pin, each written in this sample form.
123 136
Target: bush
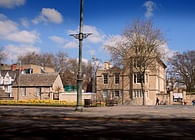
38 102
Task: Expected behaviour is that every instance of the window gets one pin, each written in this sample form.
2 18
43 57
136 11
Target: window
117 78
6 88
105 78
111 94
28 71
117 93
138 77
146 78
137 93
105 94
38 91
23 91
137 63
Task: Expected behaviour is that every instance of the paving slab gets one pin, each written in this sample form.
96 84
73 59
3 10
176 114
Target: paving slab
115 112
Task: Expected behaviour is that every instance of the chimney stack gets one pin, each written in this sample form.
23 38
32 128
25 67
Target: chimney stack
13 67
106 65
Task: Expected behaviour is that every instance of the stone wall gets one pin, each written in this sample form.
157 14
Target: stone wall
73 96
31 93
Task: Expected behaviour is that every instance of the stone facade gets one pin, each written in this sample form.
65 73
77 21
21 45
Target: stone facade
72 96
110 88
38 86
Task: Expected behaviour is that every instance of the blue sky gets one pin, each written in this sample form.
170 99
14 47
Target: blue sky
45 25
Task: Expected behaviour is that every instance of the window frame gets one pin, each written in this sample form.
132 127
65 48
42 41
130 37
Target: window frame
116 78
105 78
23 91
38 91
137 78
105 95
116 93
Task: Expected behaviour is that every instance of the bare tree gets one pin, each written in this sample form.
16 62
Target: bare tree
61 61
44 59
182 68
137 49
2 55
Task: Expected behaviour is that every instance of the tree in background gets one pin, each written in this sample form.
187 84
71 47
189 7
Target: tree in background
2 55
182 68
62 63
138 48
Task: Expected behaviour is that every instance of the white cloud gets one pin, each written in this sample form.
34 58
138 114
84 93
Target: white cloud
166 52
71 45
83 60
115 40
7 27
24 37
25 22
57 39
149 8
13 51
48 15
11 3
92 52
96 37
2 17
9 31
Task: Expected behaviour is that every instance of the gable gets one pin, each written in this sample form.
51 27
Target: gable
36 80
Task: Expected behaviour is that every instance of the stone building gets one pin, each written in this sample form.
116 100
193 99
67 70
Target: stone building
28 69
114 83
46 86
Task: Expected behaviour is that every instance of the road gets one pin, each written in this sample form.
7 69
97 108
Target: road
59 129
36 127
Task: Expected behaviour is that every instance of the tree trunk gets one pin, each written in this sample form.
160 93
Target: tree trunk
131 79
142 90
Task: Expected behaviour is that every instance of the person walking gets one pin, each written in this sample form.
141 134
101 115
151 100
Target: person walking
157 101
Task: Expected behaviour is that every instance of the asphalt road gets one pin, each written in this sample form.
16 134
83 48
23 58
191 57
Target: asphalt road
101 123
14 128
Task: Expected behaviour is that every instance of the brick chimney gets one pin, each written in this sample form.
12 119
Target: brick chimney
13 67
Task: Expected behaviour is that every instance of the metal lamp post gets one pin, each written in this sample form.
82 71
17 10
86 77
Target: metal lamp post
80 37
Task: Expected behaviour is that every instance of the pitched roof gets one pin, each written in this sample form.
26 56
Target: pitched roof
13 74
38 80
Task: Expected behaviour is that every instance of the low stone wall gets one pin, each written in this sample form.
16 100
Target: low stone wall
164 99
69 96
189 98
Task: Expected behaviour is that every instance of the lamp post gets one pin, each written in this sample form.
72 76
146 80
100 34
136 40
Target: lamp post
80 37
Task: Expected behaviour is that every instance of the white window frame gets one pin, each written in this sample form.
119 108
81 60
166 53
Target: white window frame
39 91
23 91
105 93
137 93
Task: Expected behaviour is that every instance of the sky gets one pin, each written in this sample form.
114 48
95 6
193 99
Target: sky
44 26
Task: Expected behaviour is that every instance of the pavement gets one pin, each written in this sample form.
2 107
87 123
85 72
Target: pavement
97 123
120 112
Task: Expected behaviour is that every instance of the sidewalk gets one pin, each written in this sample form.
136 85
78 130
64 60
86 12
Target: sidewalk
103 113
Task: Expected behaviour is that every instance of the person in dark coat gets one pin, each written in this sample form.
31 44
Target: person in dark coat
157 101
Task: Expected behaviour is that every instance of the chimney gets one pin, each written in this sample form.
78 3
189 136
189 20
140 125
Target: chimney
106 66
13 67
109 65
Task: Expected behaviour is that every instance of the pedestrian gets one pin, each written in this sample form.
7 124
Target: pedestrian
193 102
157 101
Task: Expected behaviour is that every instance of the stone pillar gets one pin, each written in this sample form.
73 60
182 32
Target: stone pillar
184 96
171 97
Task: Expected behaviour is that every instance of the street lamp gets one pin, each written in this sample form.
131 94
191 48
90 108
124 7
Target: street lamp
80 37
